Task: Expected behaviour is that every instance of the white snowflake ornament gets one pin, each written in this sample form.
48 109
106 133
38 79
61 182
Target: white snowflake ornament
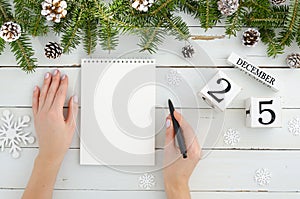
294 126
12 134
146 181
262 177
231 137
173 78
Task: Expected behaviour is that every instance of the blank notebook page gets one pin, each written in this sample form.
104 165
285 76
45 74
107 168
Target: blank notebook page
117 112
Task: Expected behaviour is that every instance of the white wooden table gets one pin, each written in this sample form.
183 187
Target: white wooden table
225 172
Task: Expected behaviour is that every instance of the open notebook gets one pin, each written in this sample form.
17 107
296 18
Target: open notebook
117 112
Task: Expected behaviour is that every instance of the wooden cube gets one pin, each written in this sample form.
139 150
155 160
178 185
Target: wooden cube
263 112
220 91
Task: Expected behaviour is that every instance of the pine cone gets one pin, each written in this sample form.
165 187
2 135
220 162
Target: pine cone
54 10
228 7
251 37
53 50
277 2
188 51
142 5
293 60
10 31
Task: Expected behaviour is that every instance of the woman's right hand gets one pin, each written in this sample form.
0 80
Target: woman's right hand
177 171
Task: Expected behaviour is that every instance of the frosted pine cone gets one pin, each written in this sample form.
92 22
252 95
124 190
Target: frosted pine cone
188 51
142 5
228 7
53 50
251 37
54 10
277 2
10 31
293 60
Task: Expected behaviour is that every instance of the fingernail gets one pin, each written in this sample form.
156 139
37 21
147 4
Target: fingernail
35 88
63 77
47 75
55 72
168 123
75 99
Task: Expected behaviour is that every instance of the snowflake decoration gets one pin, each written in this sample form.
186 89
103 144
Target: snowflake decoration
12 135
231 137
294 126
146 181
262 177
173 78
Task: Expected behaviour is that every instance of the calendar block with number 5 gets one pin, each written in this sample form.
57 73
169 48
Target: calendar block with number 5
220 91
263 112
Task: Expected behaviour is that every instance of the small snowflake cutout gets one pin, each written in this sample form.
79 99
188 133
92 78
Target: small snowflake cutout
12 134
262 177
146 181
231 137
173 78
294 126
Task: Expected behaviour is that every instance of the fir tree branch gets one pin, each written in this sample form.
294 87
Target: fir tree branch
267 37
288 33
90 36
212 14
177 27
162 6
28 15
2 46
105 15
151 38
258 5
108 36
235 22
24 53
71 37
5 10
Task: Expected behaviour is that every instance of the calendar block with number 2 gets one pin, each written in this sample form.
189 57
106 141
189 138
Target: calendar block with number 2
263 112
220 91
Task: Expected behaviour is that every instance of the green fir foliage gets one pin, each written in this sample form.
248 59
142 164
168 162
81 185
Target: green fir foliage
92 22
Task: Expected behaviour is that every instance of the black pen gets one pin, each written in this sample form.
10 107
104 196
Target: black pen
178 131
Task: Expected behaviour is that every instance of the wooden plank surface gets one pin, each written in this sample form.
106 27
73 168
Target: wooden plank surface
219 171
225 172
14 82
206 122
94 194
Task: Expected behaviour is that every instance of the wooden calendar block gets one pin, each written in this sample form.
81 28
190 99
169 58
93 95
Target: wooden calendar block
263 112
220 91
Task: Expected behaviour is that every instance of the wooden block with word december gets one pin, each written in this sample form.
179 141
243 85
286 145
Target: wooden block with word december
263 112
254 71
220 91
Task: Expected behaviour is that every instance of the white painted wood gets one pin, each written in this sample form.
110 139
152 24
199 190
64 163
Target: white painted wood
208 52
220 91
220 170
91 194
254 71
16 86
207 122
263 112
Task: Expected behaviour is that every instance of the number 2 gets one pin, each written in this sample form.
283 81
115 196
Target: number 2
272 113
226 90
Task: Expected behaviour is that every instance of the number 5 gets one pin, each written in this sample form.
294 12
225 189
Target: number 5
272 113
